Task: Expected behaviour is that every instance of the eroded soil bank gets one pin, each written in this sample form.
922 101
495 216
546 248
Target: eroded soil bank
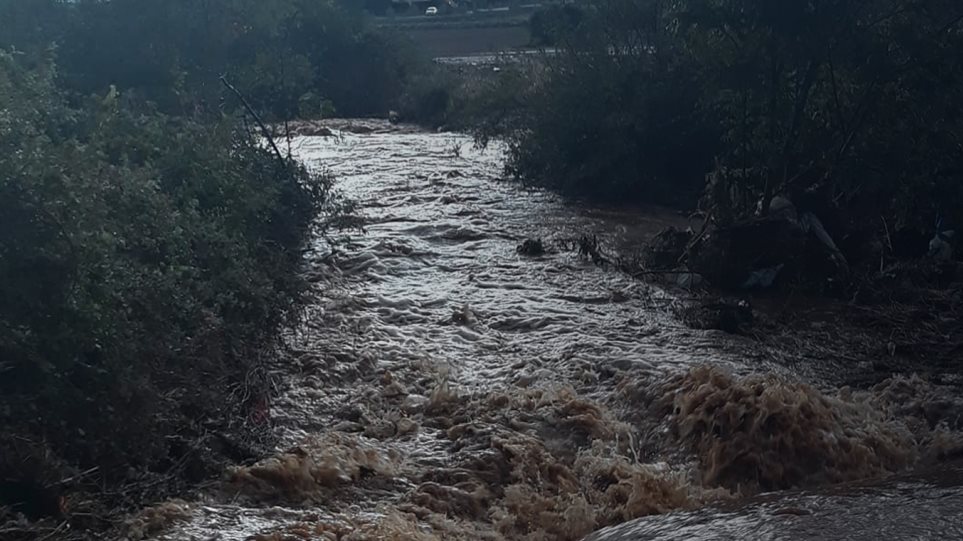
446 386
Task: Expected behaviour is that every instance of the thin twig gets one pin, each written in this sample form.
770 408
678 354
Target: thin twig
889 239
264 129
75 477
287 136
695 240
55 532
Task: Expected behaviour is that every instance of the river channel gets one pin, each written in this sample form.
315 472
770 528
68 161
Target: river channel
444 385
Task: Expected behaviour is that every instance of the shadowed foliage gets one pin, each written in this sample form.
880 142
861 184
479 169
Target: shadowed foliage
845 106
147 262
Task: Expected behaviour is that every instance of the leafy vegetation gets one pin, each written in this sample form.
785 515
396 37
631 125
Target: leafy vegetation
450 97
850 105
145 261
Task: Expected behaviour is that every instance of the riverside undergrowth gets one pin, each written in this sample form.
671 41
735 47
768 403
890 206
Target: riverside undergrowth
146 263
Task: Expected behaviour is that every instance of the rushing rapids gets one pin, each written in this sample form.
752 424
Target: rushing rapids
446 386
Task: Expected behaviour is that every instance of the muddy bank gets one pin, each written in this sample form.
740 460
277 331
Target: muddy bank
448 385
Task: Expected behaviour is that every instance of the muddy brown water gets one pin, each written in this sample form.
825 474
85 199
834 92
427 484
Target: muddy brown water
444 386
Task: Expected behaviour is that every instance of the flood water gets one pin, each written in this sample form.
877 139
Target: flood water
445 386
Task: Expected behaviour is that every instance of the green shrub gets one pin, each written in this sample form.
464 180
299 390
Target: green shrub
429 99
475 98
608 117
145 261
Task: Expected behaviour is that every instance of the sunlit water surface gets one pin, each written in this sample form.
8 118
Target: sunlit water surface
444 386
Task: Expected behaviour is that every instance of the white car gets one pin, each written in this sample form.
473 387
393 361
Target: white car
431 11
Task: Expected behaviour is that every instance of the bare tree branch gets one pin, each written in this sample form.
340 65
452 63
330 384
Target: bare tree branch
264 130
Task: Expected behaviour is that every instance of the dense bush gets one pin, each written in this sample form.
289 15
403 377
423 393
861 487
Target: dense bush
145 261
606 117
855 101
444 96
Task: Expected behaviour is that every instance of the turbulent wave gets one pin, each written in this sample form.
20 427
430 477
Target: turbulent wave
444 386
